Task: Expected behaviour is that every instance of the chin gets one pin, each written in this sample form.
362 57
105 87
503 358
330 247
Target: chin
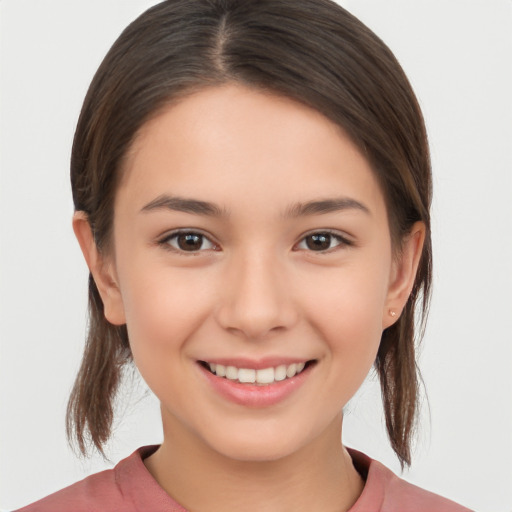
258 444
256 451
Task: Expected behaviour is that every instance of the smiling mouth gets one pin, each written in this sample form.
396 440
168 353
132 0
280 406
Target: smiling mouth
260 377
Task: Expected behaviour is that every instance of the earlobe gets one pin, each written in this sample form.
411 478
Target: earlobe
103 271
403 274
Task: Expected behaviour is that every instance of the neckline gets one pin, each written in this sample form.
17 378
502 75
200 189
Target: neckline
138 485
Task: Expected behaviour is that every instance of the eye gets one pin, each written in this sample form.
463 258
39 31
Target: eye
322 242
188 241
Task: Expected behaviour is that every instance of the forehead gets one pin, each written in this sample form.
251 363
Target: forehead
247 149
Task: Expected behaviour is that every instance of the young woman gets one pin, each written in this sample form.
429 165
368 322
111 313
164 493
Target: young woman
252 187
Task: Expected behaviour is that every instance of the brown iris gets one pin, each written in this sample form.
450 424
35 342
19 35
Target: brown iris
189 241
319 241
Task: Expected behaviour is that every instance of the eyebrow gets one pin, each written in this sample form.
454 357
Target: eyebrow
181 204
330 205
205 208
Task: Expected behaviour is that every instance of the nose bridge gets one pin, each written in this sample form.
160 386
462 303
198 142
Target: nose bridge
256 299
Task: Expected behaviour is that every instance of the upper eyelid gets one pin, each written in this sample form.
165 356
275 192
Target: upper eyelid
345 237
329 231
180 231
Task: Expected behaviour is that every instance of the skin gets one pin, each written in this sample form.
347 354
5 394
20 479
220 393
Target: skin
253 289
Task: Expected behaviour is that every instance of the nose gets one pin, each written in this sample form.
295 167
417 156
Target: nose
256 298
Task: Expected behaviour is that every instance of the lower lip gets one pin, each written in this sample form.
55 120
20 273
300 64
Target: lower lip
251 395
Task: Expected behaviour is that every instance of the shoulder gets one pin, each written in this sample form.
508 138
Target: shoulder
95 491
386 492
117 489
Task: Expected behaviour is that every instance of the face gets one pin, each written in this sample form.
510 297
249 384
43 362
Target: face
250 239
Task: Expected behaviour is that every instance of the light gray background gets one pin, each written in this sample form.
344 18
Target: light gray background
458 55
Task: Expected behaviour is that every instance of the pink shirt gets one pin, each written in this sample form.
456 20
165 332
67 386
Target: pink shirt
129 487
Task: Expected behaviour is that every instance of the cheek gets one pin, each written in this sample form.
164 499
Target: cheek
347 309
163 309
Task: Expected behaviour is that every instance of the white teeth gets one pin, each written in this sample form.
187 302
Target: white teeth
251 376
232 373
220 370
265 376
291 370
280 373
246 375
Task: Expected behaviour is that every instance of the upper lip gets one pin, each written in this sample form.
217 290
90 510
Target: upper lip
256 364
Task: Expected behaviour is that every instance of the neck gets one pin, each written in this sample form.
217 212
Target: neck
320 476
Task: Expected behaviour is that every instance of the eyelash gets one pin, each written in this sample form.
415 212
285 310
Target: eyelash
165 242
342 241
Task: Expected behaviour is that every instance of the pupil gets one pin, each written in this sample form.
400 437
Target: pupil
190 242
318 242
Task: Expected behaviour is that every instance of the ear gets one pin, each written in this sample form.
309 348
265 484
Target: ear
403 274
102 270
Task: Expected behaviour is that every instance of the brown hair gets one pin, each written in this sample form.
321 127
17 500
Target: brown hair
312 51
